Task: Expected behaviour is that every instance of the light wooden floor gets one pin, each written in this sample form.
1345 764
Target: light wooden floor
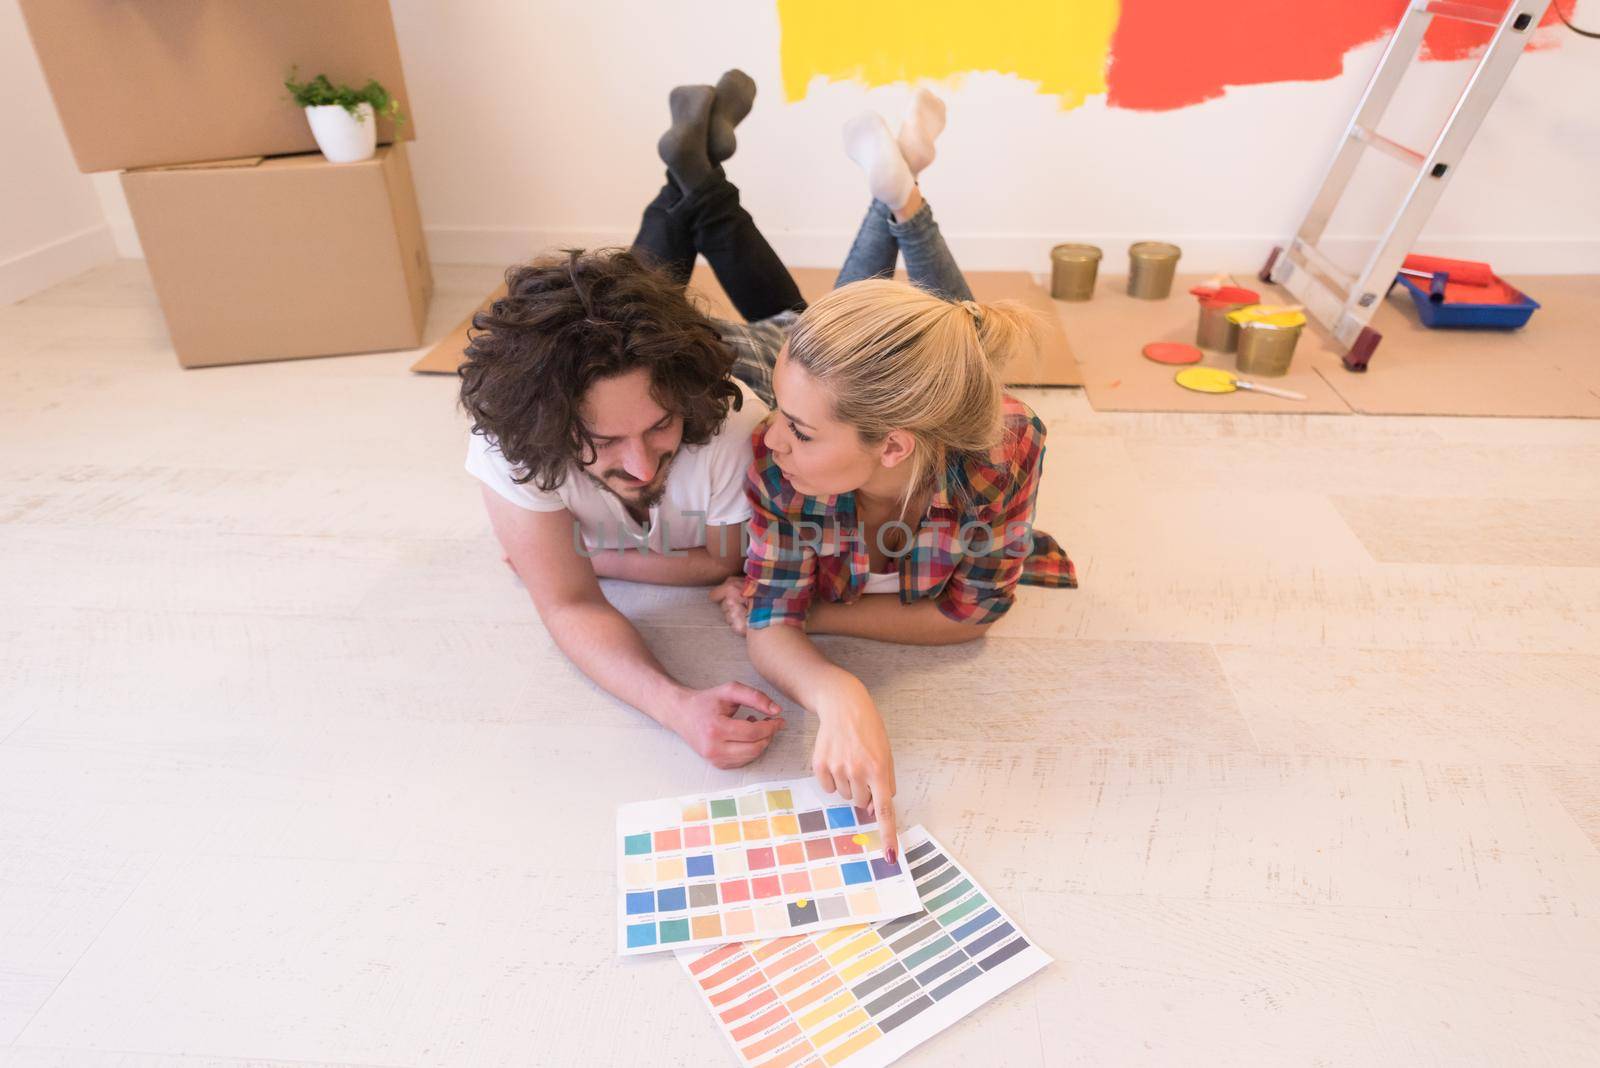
1308 772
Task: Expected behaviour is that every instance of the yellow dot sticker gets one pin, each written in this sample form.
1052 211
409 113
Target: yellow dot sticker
860 839
801 902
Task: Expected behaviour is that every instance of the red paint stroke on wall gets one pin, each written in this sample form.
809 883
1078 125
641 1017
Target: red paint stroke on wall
1462 40
1169 54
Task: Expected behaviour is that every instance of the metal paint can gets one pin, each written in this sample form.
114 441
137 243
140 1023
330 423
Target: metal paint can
1215 330
1151 265
1072 271
1266 350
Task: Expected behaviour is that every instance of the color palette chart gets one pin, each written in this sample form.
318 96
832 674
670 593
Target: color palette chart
865 996
774 859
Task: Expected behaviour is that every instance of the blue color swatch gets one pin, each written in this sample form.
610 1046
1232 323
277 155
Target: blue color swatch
857 871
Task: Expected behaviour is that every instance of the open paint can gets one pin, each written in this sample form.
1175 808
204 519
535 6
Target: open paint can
1151 265
1072 271
1215 330
1267 337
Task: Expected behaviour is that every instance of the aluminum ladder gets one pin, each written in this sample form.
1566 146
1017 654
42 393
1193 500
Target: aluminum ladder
1343 302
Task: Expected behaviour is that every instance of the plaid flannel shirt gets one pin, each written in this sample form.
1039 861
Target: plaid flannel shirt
755 349
974 545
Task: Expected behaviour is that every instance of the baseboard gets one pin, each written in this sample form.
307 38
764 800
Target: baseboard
1031 252
127 240
38 269
997 252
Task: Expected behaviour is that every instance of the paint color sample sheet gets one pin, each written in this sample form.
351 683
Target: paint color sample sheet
865 996
756 862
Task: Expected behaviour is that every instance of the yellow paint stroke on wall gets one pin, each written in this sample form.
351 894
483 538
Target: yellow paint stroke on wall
1060 44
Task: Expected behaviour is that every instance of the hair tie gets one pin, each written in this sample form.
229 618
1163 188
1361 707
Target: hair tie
974 309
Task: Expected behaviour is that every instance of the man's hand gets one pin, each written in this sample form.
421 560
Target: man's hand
852 756
706 720
735 605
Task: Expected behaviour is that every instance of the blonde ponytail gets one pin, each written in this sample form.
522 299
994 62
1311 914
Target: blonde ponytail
1007 330
896 357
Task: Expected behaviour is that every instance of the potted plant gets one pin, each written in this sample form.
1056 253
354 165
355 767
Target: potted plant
343 120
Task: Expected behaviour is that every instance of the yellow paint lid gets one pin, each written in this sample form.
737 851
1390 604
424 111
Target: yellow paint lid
1274 315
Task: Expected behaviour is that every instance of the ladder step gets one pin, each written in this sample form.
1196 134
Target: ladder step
1334 278
1387 146
1460 12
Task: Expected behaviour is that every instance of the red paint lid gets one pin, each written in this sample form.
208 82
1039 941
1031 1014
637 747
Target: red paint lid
1171 352
1224 296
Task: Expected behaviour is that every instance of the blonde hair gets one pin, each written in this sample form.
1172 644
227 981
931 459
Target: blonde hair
896 357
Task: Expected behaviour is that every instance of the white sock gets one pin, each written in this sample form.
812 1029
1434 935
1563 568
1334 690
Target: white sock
867 140
923 123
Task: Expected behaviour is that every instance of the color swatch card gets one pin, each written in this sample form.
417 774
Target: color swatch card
865 996
774 859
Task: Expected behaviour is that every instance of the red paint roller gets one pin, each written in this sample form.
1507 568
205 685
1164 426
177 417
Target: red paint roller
1460 272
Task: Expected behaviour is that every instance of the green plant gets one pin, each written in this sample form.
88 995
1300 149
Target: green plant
319 91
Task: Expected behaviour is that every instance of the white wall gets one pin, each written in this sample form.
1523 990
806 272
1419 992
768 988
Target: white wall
51 224
537 125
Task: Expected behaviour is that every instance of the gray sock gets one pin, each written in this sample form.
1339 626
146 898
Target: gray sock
683 146
736 91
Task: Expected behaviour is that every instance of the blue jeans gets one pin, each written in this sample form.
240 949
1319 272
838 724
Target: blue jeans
928 260
710 222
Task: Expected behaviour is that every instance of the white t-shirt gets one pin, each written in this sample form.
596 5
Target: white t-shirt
882 582
705 487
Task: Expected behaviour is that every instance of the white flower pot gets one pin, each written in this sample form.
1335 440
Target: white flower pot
343 137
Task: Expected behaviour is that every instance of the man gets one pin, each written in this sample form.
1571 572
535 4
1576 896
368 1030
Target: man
612 443
611 435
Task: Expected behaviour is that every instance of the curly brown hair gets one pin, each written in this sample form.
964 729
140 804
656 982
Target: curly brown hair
568 321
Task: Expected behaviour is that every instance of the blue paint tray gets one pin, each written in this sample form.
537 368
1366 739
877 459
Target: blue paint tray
1459 315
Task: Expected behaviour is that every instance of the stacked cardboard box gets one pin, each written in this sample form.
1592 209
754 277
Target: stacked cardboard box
260 248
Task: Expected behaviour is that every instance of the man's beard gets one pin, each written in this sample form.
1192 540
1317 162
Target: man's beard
643 502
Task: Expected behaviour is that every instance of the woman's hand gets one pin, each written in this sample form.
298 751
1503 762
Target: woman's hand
735 605
852 756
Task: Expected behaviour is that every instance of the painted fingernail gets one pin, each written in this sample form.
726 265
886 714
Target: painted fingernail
890 854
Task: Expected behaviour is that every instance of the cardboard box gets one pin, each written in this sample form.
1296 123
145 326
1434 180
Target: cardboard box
281 258
148 82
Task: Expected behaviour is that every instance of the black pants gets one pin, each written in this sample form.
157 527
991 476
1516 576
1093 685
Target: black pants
710 222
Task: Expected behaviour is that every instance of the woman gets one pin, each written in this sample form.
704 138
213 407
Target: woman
894 463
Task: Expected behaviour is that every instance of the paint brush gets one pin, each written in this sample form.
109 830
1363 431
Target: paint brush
1216 380
1271 391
